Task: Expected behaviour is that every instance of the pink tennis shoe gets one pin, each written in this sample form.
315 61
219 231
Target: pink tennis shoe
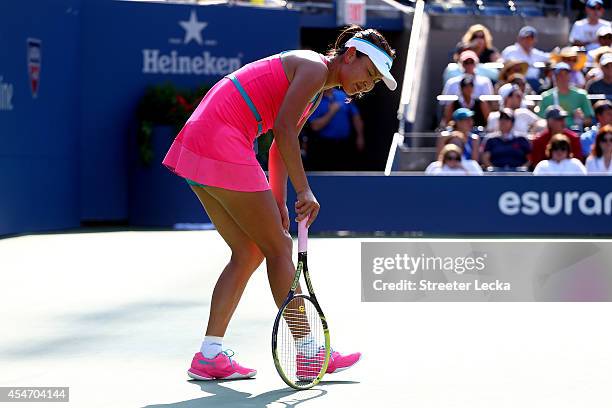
220 367
308 368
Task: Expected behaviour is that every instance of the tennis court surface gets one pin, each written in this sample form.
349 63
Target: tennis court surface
117 317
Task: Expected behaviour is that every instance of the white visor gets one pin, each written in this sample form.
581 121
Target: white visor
382 61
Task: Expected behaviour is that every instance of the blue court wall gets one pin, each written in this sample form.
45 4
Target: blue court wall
441 205
503 205
39 124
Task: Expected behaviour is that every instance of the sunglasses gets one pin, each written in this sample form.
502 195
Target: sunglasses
480 35
559 149
468 62
452 158
606 140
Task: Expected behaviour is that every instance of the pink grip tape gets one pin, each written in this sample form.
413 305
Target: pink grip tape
302 235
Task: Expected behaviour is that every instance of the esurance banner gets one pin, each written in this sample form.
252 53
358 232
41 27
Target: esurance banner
495 271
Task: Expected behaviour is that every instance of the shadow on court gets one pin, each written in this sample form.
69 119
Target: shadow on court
93 330
228 397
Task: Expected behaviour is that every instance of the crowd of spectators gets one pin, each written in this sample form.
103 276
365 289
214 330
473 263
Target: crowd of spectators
545 112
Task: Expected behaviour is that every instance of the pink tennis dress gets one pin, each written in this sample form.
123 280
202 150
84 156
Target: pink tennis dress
215 147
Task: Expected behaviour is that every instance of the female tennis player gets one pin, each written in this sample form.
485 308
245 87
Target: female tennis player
214 153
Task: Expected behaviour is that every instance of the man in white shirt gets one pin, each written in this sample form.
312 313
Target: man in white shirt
511 98
482 85
584 32
524 50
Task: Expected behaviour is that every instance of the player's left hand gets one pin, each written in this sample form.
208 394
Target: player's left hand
284 213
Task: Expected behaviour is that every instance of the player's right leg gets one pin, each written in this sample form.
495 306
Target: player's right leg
245 258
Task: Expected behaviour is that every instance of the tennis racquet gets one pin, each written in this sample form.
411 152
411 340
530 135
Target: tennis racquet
300 337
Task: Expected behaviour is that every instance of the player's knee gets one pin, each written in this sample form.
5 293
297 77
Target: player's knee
247 258
278 247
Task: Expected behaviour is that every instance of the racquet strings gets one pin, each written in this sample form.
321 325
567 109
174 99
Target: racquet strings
301 332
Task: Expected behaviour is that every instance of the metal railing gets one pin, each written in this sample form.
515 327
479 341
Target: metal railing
405 108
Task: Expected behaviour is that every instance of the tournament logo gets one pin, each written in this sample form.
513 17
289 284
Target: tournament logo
34 62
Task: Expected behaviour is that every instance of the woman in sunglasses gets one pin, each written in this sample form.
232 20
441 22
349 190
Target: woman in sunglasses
479 39
560 161
600 161
451 161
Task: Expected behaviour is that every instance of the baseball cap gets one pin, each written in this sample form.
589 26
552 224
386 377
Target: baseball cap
506 113
562 66
604 30
507 89
594 3
462 113
528 31
555 112
601 106
469 54
605 59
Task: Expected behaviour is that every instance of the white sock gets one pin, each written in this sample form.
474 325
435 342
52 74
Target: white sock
307 346
211 346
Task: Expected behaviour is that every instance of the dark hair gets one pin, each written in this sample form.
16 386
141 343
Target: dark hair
596 149
558 140
369 34
466 81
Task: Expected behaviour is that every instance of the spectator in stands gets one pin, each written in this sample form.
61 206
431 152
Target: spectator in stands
511 67
604 38
482 85
584 32
595 73
330 146
511 98
570 98
560 161
546 77
603 85
521 82
600 160
505 150
576 60
467 100
451 163
524 50
479 39
603 114
462 124
555 121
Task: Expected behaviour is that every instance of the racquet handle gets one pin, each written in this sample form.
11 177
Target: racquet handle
303 235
